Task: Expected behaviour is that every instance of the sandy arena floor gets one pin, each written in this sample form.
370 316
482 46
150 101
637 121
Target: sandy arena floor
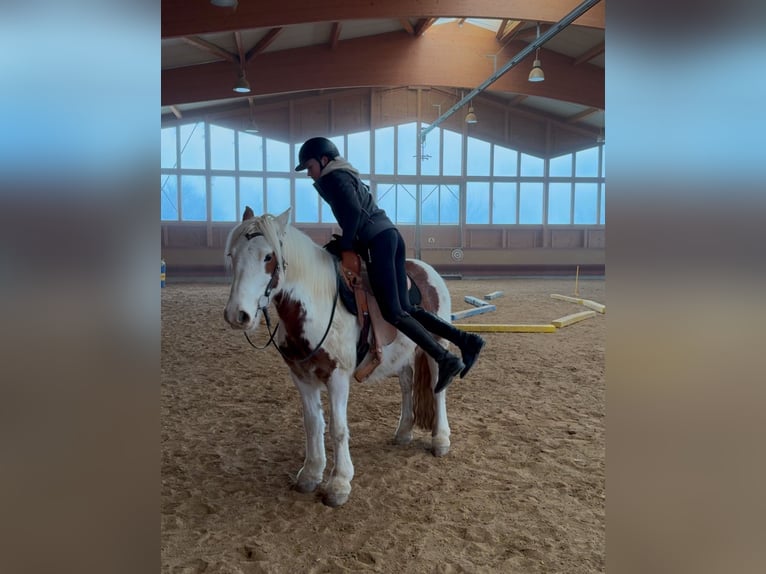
522 489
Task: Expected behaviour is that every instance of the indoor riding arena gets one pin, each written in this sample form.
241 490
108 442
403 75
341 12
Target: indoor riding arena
481 136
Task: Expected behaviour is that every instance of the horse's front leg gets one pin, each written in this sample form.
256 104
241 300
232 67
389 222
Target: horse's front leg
338 487
311 474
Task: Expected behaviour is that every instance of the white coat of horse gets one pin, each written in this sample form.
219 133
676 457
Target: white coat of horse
275 263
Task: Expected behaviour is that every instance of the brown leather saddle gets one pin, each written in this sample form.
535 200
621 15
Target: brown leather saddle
357 296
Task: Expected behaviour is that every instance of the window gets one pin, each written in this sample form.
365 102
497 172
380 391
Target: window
453 153
306 201
221 148
440 204
560 166
168 157
277 158
477 202
223 199
585 203
169 197
384 151
477 161
531 203
251 195
504 202
250 152
398 201
211 173
407 149
359 151
192 146
560 203
586 163
532 166
277 194
506 161
193 198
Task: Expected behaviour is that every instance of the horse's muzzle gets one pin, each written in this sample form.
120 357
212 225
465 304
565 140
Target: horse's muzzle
238 319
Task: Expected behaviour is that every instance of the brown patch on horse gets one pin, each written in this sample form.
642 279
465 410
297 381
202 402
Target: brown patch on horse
423 402
271 265
249 214
430 299
296 347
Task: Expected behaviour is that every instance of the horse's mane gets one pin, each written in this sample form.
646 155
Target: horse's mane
306 262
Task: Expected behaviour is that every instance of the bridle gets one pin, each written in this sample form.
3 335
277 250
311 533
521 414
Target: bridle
265 299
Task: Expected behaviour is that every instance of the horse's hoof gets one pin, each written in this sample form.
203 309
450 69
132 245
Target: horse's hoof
334 499
404 439
306 485
440 450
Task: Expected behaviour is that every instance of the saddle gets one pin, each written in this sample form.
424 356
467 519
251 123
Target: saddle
357 296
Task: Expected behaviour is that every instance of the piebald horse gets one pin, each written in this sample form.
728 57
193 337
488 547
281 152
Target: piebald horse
272 262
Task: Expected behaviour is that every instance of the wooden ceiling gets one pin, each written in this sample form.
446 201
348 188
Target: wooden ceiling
304 46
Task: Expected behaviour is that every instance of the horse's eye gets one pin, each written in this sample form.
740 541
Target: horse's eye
267 258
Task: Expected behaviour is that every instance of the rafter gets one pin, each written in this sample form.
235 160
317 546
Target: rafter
240 49
407 26
510 31
501 29
589 55
440 61
263 43
335 35
210 47
423 25
176 112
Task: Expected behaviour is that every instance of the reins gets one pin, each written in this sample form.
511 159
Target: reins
263 306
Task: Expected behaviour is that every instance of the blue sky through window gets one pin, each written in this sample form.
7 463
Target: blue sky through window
503 186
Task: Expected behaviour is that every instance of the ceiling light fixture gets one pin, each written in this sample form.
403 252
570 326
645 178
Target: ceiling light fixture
536 74
224 3
470 117
242 86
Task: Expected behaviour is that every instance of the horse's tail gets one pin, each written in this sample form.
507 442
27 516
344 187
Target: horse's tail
423 402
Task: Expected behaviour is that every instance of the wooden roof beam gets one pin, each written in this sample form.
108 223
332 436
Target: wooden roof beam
240 48
335 35
193 18
407 26
423 25
212 48
263 43
509 31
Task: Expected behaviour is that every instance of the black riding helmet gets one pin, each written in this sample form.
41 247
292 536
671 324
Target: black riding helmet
315 148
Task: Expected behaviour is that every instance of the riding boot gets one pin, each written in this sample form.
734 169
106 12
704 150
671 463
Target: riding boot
449 364
470 344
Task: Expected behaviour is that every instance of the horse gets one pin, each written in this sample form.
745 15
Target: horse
272 263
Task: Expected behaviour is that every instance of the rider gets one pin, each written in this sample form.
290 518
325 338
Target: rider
368 231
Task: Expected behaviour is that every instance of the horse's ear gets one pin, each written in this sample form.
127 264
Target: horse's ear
248 213
284 218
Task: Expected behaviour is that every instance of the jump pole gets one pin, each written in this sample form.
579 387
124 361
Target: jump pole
518 328
585 302
573 318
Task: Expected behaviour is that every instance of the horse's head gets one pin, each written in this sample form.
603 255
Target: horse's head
254 253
